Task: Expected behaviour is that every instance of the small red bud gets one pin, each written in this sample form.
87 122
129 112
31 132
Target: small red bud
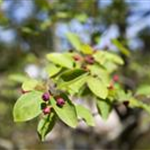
89 59
46 96
115 78
60 102
47 110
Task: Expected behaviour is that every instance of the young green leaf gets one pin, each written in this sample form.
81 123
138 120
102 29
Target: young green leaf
143 90
67 113
45 125
74 40
52 69
28 106
61 59
86 49
29 84
71 82
77 85
85 114
72 74
97 87
120 47
103 57
104 108
135 103
100 72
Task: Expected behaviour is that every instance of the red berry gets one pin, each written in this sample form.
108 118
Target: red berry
89 59
46 96
47 110
60 101
115 78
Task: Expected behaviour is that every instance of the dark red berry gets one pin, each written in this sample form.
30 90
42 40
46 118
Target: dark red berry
46 96
115 78
60 101
89 59
47 110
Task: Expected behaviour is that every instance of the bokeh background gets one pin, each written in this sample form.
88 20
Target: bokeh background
31 28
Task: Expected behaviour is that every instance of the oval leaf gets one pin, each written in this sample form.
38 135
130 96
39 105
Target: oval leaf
74 40
45 125
27 107
97 87
67 113
85 114
29 84
61 59
52 69
104 108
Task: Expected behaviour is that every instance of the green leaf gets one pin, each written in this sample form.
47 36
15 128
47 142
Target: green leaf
29 84
101 73
86 49
67 113
52 69
18 78
74 40
97 87
78 84
120 47
143 90
135 103
74 82
45 125
104 107
72 74
28 106
85 114
61 59
103 57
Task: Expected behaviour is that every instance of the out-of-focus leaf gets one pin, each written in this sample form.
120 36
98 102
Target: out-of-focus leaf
85 114
45 125
74 40
29 84
17 78
143 90
120 47
135 103
86 49
104 108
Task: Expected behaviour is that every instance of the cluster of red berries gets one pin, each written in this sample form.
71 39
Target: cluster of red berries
88 58
47 108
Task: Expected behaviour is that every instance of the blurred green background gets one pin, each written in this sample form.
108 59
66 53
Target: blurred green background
31 28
